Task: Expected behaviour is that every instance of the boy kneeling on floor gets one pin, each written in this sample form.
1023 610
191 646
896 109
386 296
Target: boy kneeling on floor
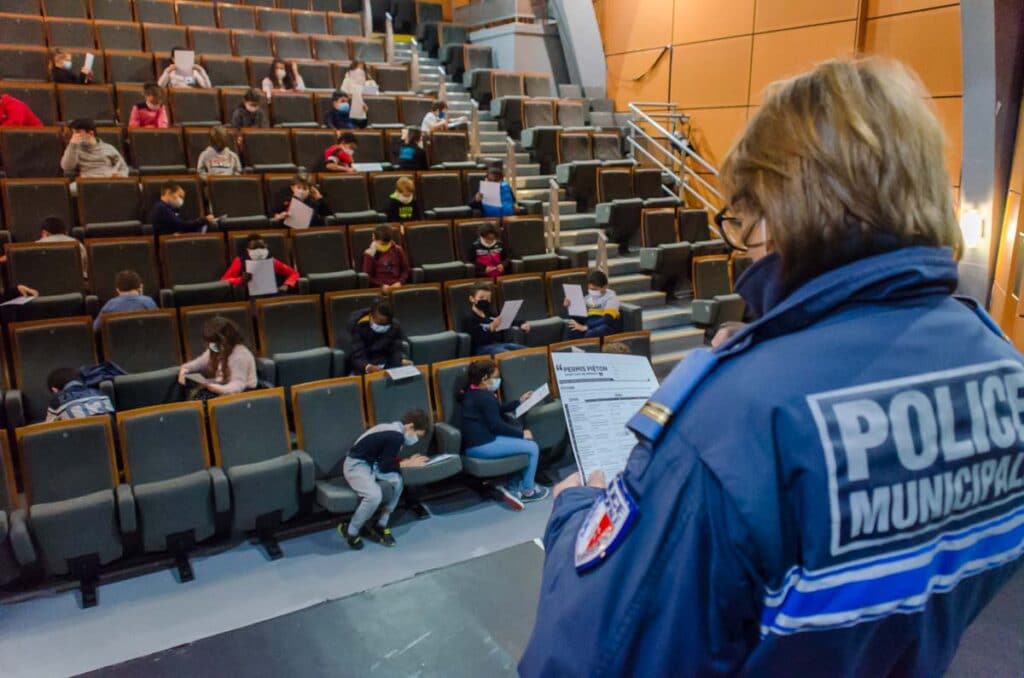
372 470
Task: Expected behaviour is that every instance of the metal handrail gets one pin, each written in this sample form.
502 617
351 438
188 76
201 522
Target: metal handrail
389 38
367 19
414 64
474 129
687 170
442 84
554 220
685 148
510 162
680 181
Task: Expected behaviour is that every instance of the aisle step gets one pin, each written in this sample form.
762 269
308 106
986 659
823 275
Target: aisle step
666 317
632 283
565 208
538 194
647 299
590 250
625 266
533 181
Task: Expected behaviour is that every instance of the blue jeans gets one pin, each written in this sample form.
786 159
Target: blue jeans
506 446
495 349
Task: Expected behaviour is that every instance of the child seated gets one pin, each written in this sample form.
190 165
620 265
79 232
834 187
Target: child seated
482 321
227 366
402 205
488 253
72 399
256 250
173 77
129 297
508 207
411 156
249 112
338 117
151 112
303 190
61 70
218 159
602 310
384 261
339 157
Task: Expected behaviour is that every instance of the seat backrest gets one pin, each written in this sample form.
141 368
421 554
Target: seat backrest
309 23
111 10
571 114
607 147
441 189
49 268
711 276
345 192
371 142
191 259
419 309
152 185
8 489
21 29
448 147
528 287
317 76
694 226
212 42
452 34
248 427
382 185
647 183
429 243
226 70
267 146
574 345
361 235
345 24
38 347
31 151
239 196
67 459
329 417
196 14
639 342
162 39
191 106
556 282
614 183
236 17
194 317
87 101
292 46
428 11
456 300
40 97
477 56
393 78
448 378
102 201
28 201
154 11
119 34
124 67
110 256
158 147
414 109
24 62
289 108
466 232
525 235
329 48
76 33
504 84
163 442
308 146
340 307
289 324
538 113
252 44
370 50
274 20
141 341
383 110
523 371
321 250
539 85
659 227
388 400
574 147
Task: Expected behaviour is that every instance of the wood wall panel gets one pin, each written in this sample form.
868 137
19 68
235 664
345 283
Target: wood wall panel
712 74
622 68
629 25
773 15
884 7
929 42
950 113
697 20
713 131
786 53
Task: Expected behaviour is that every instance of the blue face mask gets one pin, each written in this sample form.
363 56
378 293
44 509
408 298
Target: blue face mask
411 439
343 108
442 115
761 285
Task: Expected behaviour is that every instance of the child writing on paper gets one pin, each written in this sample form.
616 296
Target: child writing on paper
309 195
481 324
340 156
151 111
486 434
603 316
227 364
376 339
508 207
385 262
256 250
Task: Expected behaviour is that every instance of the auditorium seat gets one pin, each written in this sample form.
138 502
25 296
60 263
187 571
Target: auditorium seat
276 240
109 206
38 348
659 227
16 549
576 345
318 78
476 57
450 150
448 378
647 183
528 370
161 39
393 78
269 481
555 282
388 401
192 319
347 195
330 48
308 146
119 35
432 255
340 306
345 24
50 268
24 62
327 5
178 496
571 113
22 29
225 71
607 147
87 101
428 15
252 44
530 288
124 67
273 20
236 17
329 417
157 151
196 107
266 150
639 342
370 50
191 267
154 11
383 111
77 511
466 233
111 10
322 256
309 23
544 144
210 42
288 46
70 33
420 311
667 264
456 300
28 201
694 226
196 14
292 109
40 97
527 242
371 146
31 152
141 341
713 300
441 196
451 38
109 256
239 199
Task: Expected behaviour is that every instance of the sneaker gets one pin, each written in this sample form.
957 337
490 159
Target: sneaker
381 535
539 492
510 498
355 543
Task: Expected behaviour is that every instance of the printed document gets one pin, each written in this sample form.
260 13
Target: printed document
600 393
508 314
263 280
184 60
403 372
300 215
535 398
577 302
491 191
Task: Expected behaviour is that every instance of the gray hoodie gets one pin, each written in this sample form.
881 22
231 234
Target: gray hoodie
93 160
224 163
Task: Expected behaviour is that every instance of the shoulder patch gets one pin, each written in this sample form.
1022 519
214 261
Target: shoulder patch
605 526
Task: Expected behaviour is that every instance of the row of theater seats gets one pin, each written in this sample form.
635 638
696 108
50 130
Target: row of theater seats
165 11
178 476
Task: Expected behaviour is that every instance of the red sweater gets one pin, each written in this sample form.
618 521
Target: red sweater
387 268
144 116
14 113
282 270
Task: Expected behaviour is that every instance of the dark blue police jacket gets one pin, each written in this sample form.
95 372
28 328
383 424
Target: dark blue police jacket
837 491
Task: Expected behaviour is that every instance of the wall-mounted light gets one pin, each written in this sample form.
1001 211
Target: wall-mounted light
972 225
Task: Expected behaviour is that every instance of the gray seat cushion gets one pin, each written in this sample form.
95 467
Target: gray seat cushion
76 527
547 423
176 505
425 475
336 496
263 487
492 468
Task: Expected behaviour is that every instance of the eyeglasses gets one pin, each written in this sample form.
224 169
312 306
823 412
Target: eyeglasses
734 232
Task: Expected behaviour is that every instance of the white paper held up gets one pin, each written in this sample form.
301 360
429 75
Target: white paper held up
184 60
90 59
535 398
577 302
403 372
263 281
491 192
300 215
508 314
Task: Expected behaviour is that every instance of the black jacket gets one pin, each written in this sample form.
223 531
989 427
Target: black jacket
320 208
370 348
167 221
483 418
399 211
381 445
412 158
479 330
241 117
61 76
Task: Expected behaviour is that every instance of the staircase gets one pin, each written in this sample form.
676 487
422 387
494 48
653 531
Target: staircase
672 333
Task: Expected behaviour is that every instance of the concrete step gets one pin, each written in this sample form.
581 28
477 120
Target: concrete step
666 317
664 364
527 172
625 266
427 62
533 181
566 208
591 250
574 223
675 339
493 137
488 125
646 299
538 194
494 148
628 284
493 154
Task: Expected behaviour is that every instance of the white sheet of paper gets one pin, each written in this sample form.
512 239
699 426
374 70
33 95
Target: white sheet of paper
577 302
368 167
438 459
538 397
300 215
18 301
491 190
263 280
576 349
508 314
90 59
371 88
196 378
184 60
600 393
403 372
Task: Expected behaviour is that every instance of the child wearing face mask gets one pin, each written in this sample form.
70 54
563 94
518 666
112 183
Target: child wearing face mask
373 470
249 113
62 72
304 191
603 316
340 156
338 117
218 159
227 365
172 77
487 434
166 213
411 156
481 324
384 261
488 253
509 205
256 250
402 205
376 339
353 84
281 78
150 112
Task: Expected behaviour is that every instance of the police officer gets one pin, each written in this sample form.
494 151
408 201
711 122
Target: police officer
838 488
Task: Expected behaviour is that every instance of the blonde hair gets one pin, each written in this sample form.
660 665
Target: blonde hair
405 185
843 163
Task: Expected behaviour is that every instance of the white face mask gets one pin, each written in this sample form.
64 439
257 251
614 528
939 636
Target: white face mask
214 348
404 199
301 193
379 329
280 74
494 385
66 65
177 203
411 439
594 294
259 254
